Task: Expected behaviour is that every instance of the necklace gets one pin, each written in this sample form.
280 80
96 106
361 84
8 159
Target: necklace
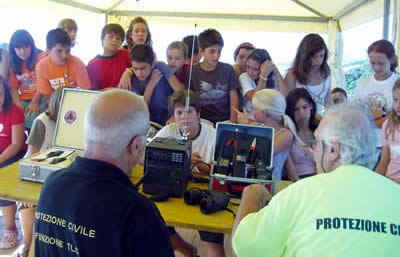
318 98
306 137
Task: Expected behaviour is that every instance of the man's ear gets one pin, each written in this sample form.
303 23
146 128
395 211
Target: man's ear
333 152
135 144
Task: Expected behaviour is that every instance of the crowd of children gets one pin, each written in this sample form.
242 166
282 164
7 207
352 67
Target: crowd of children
252 91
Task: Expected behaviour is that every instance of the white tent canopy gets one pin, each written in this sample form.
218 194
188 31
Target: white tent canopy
232 16
304 15
318 16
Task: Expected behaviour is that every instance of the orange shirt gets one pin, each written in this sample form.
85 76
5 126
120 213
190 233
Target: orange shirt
25 82
50 76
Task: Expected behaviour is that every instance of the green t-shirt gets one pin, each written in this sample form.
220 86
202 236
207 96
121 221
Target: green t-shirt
350 211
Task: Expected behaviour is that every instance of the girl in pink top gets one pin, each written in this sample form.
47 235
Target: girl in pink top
301 108
389 165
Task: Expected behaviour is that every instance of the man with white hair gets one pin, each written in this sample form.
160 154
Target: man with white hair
91 208
346 210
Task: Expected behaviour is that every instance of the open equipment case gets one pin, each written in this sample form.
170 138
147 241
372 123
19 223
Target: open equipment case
67 140
243 156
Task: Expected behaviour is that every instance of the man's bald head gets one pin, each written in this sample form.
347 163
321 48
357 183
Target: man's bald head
113 119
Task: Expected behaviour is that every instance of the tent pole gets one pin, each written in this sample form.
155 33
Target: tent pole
307 7
79 5
386 14
350 8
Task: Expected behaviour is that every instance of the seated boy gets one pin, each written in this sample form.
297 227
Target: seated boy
106 70
176 55
215 81
59 68
203 138
154 81
201 133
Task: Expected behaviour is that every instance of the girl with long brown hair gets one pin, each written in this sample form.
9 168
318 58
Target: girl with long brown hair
310 70
138 33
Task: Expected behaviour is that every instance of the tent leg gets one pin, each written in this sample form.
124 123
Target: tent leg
386 14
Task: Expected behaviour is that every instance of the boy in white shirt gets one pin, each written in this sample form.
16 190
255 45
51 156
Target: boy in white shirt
203 137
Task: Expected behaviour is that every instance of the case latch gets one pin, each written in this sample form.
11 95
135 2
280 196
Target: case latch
35 170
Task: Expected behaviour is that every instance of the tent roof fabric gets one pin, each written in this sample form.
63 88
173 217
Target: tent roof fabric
290 8
308 11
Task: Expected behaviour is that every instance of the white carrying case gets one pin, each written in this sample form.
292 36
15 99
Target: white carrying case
68 136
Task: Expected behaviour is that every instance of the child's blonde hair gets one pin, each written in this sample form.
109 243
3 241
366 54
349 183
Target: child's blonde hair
394 119
180 46
273 102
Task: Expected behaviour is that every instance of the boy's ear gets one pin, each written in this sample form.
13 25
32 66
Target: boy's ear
154 64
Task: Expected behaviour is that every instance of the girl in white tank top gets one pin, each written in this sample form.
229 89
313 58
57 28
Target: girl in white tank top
311 71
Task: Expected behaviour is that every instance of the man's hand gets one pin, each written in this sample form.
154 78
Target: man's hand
254 198
32 108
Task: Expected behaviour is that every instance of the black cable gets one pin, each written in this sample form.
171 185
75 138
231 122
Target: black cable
199 180
229 210
144 174
141 180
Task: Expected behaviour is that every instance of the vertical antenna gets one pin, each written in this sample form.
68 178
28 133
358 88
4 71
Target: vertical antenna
187 102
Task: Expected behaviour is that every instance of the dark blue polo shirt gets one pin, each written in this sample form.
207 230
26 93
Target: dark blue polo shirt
158 106
92 209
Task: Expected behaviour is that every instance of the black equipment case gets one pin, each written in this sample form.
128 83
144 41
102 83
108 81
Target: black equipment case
243 156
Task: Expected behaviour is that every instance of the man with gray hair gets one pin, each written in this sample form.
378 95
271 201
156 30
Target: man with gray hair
346 210
91 208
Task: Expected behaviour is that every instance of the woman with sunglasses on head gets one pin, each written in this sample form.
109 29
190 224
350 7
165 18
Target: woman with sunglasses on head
240 57
260 73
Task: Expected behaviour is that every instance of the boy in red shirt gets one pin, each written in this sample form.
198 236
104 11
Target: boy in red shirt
106 70
60 68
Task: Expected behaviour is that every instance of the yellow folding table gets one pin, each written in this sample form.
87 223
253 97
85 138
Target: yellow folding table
174 211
